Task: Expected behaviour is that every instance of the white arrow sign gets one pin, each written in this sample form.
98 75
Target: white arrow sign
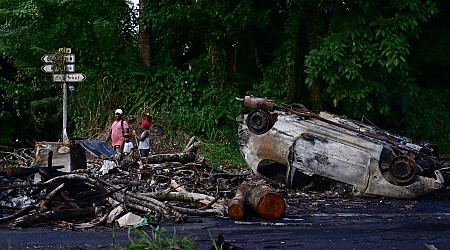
69 58
70 68
73 77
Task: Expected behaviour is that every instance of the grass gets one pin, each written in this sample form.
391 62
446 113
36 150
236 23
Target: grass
223 155
220 153
159 239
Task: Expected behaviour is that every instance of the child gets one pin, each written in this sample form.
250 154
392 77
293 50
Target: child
127 146
144 139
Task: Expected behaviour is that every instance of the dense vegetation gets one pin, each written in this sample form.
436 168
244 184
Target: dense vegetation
384 60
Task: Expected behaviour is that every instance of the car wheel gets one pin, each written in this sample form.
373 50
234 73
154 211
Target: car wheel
403 169
259 121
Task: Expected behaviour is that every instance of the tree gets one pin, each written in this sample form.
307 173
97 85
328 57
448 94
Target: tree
363 58
105 47
360 58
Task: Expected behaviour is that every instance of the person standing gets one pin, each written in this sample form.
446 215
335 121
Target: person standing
128 148
144 139
128 145
116 133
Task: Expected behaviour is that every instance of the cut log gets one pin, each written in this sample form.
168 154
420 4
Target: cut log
258 197
236 206
265 201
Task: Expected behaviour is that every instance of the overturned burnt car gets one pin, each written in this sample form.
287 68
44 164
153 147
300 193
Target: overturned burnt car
292 144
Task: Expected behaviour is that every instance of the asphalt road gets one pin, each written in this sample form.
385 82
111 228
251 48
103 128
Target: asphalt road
338 224
309 223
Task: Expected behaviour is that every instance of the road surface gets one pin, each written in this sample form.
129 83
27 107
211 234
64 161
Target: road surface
310 222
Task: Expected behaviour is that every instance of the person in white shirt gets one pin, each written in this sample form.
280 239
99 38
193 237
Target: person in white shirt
128 146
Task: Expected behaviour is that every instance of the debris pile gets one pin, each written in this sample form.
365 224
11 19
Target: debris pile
162 187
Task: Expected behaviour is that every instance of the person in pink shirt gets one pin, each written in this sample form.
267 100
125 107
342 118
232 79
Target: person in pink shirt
116 133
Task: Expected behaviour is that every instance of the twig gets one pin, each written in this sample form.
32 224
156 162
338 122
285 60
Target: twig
189 143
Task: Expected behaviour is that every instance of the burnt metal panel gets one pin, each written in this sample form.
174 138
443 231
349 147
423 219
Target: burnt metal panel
63 155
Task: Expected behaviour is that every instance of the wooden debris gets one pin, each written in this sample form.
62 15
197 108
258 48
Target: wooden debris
236 206
46 217
50 197
220 243
259 198
169 186
265 201
19 213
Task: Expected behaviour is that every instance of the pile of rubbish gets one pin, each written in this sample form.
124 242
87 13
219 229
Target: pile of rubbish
34 191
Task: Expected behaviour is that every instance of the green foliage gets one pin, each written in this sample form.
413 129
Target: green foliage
359 58
103 42
362 65
364 58
185 102
427 118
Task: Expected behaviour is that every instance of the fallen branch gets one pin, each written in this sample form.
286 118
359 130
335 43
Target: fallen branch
68 201
177 157
19 213
198 212
44 204
189 144
68 214
82 177
204 199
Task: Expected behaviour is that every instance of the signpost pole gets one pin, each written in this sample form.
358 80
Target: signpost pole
64 132
64 52
63 73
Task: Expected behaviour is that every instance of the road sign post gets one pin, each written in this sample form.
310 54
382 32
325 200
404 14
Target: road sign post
61 64
48 68
72 77
70 58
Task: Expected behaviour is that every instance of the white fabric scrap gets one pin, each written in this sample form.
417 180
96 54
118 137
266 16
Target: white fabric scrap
107 165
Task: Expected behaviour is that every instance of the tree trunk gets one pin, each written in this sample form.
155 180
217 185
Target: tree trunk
144 36
316 27
292 27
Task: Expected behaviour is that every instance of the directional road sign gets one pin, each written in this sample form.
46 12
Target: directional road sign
72 77
70 68
69 58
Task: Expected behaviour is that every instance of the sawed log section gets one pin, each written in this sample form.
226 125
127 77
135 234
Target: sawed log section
258 197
